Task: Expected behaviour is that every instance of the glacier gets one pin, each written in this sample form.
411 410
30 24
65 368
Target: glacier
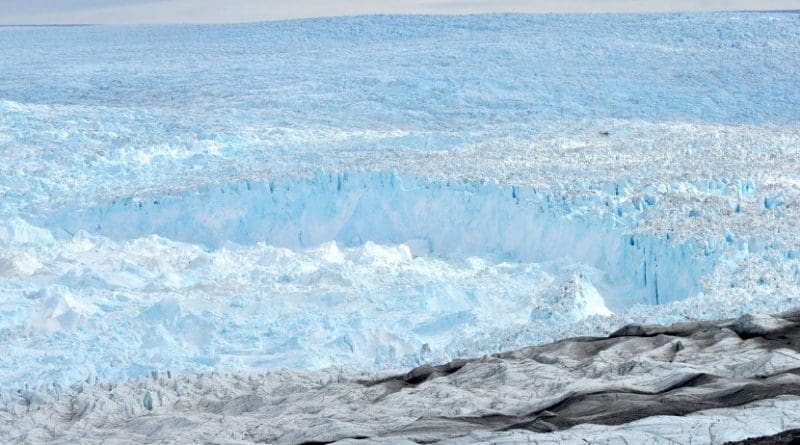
372 194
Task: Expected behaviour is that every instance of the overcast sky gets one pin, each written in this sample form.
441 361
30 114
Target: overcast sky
225 11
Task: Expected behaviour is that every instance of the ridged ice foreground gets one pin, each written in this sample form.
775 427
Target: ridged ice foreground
693 382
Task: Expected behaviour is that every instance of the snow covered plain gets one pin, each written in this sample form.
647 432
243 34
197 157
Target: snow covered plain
375 193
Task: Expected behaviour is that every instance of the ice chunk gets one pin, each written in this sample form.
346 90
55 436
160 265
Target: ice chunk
57 309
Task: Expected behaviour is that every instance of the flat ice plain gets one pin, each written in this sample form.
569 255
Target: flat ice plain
376 193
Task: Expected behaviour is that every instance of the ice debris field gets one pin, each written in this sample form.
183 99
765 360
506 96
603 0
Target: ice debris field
374 193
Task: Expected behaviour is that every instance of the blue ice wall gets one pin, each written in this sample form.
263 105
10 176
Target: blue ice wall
450 219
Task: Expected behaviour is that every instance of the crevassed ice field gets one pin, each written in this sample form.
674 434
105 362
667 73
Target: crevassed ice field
380 192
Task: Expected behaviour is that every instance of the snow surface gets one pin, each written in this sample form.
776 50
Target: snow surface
379 192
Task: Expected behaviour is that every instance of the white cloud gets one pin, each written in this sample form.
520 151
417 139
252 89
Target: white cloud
227 11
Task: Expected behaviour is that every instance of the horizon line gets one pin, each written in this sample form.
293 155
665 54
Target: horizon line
344 16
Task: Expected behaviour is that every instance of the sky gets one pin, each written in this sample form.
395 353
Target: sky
231 11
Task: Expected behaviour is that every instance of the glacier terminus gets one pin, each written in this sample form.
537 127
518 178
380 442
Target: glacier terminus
402 229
